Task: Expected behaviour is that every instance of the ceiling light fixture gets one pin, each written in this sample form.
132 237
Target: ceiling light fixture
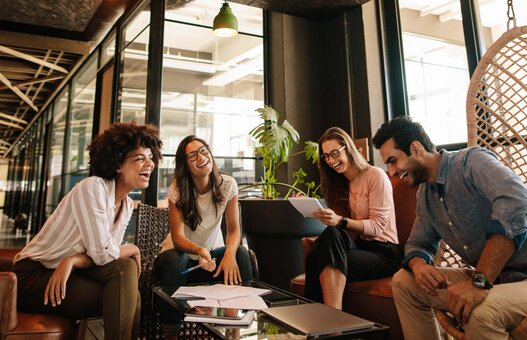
225 23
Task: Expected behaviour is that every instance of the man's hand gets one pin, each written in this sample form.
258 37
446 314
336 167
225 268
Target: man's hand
462 298
55 290
428 277
231 272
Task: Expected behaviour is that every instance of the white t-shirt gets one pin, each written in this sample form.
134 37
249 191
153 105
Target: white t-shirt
83 223
208 233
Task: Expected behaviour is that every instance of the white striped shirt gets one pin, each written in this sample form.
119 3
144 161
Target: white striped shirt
83 223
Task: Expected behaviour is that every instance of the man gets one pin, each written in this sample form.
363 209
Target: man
479 207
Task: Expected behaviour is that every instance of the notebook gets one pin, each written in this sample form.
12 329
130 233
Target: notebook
314 319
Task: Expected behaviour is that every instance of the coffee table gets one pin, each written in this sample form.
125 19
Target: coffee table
262 326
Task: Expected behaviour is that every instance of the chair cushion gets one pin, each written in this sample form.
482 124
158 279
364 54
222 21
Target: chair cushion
379 287
42 327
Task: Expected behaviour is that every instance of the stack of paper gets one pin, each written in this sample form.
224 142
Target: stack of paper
220 295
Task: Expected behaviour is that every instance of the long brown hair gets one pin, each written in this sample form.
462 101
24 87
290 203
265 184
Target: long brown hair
335 186
186 201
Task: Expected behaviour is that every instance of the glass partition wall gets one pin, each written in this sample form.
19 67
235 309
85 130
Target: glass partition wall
211 87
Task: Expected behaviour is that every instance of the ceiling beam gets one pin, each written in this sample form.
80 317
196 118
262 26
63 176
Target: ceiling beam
35 81
32 59
5 115
19 93
16 126
46 43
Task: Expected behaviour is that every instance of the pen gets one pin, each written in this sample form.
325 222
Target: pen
196 267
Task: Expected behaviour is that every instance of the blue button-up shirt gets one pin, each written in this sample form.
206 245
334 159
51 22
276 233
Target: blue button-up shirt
474 196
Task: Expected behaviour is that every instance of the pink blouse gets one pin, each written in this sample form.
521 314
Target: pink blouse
371 201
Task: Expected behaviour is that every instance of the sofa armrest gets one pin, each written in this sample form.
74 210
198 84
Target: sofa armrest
6 259
8 312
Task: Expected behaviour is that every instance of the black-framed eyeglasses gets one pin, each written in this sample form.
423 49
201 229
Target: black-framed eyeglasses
333 153
192 156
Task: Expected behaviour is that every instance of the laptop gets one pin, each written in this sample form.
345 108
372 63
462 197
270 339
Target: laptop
314 319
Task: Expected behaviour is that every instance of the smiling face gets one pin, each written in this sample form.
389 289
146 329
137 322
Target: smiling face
135 171
407 168
199 159
332 148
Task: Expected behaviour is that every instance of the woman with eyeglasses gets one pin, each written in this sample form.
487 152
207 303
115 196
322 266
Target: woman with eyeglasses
360 242
198 198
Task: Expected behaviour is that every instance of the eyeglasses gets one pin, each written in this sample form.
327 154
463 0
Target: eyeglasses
192 156
333 153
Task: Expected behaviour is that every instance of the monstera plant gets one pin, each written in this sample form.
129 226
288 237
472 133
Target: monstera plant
275 145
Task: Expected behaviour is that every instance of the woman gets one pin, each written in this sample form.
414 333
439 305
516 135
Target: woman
360 242
76 266
197 199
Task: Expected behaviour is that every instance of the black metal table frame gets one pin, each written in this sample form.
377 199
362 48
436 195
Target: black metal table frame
377 332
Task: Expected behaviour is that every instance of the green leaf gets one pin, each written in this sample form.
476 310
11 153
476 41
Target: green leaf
311 150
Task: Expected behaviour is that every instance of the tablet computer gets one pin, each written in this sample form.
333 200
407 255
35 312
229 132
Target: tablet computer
216 312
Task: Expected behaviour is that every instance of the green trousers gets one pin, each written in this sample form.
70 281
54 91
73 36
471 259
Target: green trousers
109 291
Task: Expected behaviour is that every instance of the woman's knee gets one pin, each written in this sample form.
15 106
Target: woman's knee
244 263
126 267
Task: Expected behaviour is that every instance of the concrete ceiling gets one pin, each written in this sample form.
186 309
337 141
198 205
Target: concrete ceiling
42 42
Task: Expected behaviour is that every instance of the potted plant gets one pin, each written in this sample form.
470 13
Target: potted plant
273 227
275 144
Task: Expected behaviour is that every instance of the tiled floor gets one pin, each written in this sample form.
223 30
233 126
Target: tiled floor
16 239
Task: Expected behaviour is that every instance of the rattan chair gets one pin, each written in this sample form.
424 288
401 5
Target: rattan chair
152 228
496 120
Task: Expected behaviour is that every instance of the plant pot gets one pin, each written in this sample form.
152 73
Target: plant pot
274 231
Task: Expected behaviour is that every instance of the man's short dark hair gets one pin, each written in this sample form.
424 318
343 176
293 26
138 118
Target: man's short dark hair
110 149
403 131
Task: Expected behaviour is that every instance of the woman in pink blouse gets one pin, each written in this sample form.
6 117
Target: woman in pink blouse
360 242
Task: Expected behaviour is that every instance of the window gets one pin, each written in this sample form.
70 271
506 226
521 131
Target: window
211 86
493 17
436 68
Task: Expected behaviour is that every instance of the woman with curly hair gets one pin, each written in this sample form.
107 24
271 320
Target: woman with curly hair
75 266
197 199
360 242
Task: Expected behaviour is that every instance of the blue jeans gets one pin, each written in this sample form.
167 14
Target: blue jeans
169 265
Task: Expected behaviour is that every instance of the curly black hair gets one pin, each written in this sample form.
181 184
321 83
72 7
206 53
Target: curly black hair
110 149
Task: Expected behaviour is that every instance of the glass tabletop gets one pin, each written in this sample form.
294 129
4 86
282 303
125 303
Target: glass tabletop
262 326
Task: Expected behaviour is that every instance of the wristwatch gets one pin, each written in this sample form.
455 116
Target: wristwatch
343 224
479 280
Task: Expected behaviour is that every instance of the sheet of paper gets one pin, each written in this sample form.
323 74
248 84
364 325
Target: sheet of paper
306 205
245 321
245 302
218 291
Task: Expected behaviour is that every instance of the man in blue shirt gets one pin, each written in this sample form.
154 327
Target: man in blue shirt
479 207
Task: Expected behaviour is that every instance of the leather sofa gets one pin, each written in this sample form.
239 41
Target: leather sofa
373 299
15 325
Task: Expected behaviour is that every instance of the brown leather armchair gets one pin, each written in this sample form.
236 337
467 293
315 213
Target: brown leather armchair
373 299
15 325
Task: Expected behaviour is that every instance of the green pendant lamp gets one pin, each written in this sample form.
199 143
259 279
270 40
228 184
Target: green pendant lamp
225 23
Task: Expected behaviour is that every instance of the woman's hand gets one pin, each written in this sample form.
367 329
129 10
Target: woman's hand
327 216
231 272
131 251
55 290
204 257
